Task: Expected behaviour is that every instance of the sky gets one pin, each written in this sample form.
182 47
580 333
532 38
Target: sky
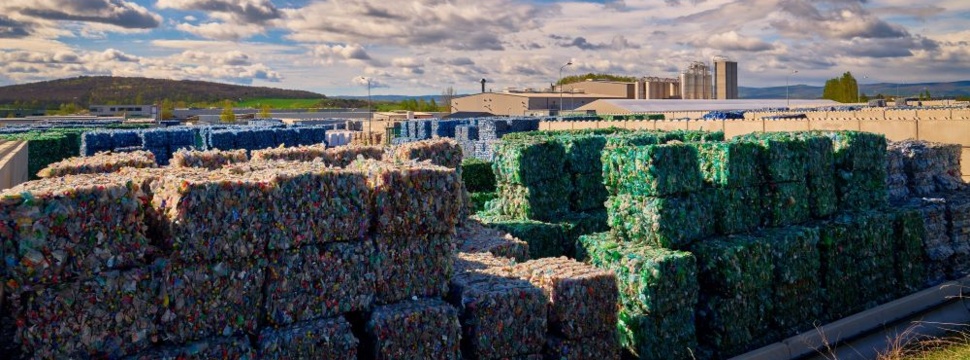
416 47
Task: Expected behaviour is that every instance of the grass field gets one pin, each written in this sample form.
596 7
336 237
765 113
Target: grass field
280 103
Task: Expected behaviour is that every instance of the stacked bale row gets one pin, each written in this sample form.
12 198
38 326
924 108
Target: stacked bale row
99 163
376 229
163 142
45 148
208 159
658 291
366 138
561 307
929 167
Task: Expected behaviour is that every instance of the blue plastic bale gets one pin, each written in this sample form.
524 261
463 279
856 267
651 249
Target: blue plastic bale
93 142
245 139
287 137
444 128
125 138
162 155
520 125
155 138
181 138
222 140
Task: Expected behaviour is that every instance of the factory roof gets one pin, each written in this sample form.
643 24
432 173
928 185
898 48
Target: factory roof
655 106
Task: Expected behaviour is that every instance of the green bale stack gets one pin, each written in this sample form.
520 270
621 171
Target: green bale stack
732 164
653 170
784 157
580 224
477 175
786 203
588 192
44 148
737 210
731 171
908 256
658 291
857 270
691 136
544 239
635 138
860 163
673 221
796 293
543 201
479 199
823 200
736 276
583 153
531 181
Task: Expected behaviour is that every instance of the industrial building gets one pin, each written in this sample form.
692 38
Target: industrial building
147 111
695 82
725 78
631 106
528 102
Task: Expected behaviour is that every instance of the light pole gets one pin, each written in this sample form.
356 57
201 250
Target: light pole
787 96
560 86
858 88
370 115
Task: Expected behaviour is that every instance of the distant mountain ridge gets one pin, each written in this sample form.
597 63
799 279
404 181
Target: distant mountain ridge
936 89
86 90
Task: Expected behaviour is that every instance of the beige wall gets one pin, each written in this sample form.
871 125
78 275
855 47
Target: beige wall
495 103
786 125
624 90
895 130
13 163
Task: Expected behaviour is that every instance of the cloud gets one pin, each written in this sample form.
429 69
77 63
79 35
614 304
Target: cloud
10 28
240 11
351 53
619 42
374 83
732 41
221 31
456 24
121 13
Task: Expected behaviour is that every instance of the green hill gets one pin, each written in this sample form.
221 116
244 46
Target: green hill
86 90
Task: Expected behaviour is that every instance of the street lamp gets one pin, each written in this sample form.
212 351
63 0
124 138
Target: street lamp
858 94
370 115
787 96
560 86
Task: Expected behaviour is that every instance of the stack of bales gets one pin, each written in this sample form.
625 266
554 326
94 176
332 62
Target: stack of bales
566 307
75 253
658 291
929 167
296 153
796 287
366 138
860 169
734 310
99 163
531 179
163 142
473 237
208 159
785 192
479 179
733 174
656 195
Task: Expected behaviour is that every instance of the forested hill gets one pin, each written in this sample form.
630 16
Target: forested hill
86 90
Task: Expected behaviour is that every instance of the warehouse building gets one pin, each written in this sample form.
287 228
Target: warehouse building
725 78
146 111
632 106
527 102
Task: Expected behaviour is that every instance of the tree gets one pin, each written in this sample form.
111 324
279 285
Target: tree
433 106
843 89
227 116
264 112
168 110
608 77
447 96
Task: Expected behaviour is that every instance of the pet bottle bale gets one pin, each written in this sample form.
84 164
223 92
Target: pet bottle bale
672 222
330 338
418 329
653 170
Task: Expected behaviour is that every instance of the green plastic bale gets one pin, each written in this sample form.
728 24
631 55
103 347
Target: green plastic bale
479 199
784 159
544 239
527 162
672 222
730 326
861 190
477 175
823 200
908 233
540 201
794 253
580 224
786 204
635 138
651 280
730 164
588 193
43 149
583 153
653 170
734 265
691 136
737 210
659 336
856 249
856 150
796 307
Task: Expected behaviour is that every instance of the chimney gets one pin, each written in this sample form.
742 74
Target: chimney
483 85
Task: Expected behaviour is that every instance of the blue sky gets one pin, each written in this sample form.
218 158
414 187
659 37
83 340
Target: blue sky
424 46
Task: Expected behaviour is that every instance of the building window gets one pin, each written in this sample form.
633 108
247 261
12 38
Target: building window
113 109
